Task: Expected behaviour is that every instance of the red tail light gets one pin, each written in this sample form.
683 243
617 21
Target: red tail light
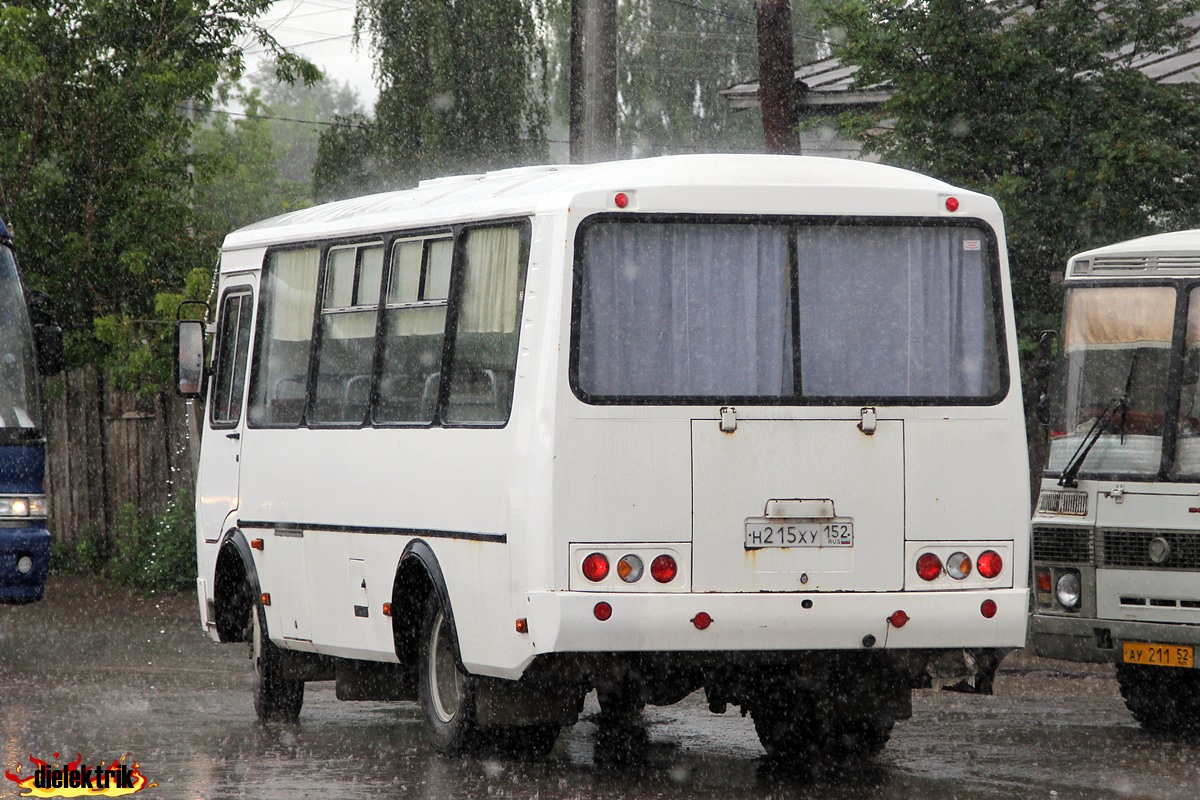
595 567
664 569
989 563
602 611
988 608
929 567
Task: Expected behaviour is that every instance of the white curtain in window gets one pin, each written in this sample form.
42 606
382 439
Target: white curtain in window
896 311
293 292
685 309
490 290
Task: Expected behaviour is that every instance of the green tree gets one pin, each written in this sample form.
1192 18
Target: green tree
459 85
1039 105
298 114
96 133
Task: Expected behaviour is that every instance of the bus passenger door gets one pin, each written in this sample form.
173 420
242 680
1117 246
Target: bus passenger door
220 453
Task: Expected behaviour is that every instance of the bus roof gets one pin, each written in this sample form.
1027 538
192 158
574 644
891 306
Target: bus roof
1174 242
747 183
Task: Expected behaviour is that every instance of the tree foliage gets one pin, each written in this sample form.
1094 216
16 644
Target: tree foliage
1040 105
676 57
96 133
460 86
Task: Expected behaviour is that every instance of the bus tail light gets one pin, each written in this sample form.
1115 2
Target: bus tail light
989 563
664 569
702 620
988 608
602 611
595 567
630 568
898 619
958 566
929 567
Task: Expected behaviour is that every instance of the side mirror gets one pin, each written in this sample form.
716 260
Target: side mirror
1041 374
189 358
48 342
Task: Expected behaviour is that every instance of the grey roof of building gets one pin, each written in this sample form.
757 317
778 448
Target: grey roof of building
828 82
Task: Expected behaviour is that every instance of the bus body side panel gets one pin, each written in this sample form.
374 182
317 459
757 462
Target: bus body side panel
979 488
324 537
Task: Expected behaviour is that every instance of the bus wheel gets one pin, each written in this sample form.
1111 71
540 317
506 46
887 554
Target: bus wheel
276 698
1161 699
447 694
805 727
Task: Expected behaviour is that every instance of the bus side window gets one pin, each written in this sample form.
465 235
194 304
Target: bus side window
346 349
281 360
414 329
485 343
233 346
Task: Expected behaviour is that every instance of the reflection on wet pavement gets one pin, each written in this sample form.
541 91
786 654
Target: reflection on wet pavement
96 671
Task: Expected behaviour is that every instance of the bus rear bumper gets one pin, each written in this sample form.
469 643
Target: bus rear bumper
1099 641
17 544
565 622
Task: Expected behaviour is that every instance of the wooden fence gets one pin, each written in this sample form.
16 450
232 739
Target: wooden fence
107 447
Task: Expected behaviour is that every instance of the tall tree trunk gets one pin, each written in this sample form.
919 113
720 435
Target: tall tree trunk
776 71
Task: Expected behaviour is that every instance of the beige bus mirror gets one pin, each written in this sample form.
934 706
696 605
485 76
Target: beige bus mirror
189 358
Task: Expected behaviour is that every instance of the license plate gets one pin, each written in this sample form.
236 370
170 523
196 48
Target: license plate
766 532
1158 655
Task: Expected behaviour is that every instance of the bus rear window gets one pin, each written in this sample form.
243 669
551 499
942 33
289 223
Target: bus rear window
693 311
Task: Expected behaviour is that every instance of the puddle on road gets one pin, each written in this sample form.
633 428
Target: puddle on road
94 671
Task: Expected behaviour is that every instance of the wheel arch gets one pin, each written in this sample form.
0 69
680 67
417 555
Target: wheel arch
235 586
417 575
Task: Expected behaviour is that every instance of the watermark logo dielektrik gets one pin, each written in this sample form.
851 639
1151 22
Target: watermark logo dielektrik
77 779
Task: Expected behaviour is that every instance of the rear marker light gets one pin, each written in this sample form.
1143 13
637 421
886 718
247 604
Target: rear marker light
522 625
621 200
988 608
266 598
595 567
387 609
929 567
256 544
702 620
898 619
602 611
952 204
990 564
664 569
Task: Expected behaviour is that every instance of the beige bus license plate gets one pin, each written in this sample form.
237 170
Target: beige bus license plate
1158 655
766 532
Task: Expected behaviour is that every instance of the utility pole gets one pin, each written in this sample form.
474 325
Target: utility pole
776 76
593 112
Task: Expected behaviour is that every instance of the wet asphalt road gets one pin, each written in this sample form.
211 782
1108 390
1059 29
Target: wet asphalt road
92 670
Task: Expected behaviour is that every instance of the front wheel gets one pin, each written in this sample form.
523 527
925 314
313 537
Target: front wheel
1162 699
276 698
446 693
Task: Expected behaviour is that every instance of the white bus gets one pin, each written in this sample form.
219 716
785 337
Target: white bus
1116 533
750 424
